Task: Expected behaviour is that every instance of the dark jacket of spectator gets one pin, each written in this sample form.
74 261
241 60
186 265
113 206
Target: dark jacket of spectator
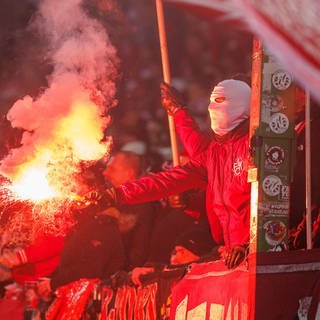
92 249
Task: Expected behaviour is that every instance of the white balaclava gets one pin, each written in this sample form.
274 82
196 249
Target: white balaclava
229 105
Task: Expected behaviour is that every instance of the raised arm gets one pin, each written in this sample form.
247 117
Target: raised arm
193 140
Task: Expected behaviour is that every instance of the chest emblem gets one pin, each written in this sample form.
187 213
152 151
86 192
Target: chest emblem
237 167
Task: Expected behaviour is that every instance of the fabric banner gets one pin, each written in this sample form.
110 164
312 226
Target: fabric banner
150 301
116 299
290 30
287 286
219 10
211 291
71 300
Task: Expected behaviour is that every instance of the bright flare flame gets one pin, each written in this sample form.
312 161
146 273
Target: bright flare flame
83 129
52 167
33 185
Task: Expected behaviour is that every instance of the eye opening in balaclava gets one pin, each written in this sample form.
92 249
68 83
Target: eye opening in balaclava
219 99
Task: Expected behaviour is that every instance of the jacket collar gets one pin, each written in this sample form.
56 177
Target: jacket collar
239 131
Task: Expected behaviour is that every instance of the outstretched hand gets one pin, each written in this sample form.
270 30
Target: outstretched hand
171 99
105 197
44 288
94 196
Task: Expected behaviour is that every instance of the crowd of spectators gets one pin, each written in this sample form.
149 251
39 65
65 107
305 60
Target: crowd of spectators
201 53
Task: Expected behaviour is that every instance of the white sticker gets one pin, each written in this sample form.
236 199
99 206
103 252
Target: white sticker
281 80
279 123
275 232
304 307
285 191
273 103
271 185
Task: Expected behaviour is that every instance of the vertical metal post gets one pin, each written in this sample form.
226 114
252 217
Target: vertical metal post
270 166
308 172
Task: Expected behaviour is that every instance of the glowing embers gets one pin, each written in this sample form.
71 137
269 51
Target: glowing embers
24 221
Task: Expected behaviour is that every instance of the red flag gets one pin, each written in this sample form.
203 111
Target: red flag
289 29
217 10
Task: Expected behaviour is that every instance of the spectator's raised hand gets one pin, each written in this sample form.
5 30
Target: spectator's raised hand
171 99
44 288
235 256
137 272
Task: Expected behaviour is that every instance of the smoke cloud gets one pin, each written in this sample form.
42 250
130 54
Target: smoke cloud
68 118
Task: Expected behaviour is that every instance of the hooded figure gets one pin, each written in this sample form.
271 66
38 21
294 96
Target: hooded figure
229 105
219 162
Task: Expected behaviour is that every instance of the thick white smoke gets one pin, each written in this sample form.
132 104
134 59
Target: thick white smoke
70 113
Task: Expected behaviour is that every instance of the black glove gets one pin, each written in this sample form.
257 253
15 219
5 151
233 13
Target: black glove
104 198
171 99
236 255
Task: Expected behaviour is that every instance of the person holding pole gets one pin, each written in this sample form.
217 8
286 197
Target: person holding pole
221 165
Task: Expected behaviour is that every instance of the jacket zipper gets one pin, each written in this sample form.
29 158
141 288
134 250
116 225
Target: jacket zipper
224 204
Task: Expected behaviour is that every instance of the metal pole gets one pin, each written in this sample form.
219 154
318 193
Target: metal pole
308 172
166 77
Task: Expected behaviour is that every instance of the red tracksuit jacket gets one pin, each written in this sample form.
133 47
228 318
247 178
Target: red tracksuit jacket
222 166
39 259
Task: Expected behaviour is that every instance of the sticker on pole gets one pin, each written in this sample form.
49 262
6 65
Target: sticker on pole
272 102
281 80
275 155
275 232
271 185
279 123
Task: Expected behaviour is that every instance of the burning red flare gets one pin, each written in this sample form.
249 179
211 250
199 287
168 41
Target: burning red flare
33 185
65 124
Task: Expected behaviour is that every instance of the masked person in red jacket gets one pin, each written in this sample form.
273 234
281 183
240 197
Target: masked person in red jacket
219 161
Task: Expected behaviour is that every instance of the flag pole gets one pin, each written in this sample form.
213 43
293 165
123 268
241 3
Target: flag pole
166 77
308 172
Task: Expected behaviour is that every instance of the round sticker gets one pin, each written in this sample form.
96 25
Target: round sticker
271 185
275 232
279 123
281 80
272 102
275 155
